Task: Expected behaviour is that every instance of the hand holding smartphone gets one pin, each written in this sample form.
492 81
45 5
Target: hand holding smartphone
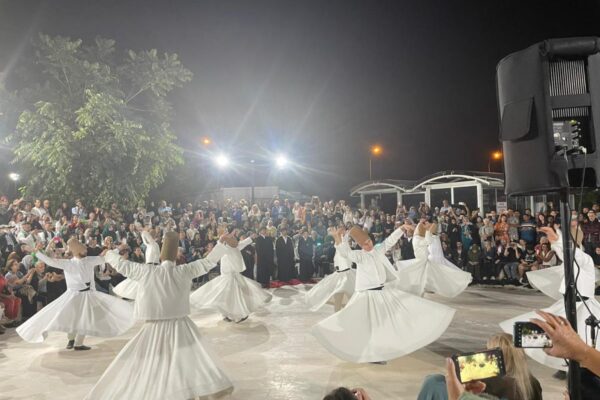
480 365
528 335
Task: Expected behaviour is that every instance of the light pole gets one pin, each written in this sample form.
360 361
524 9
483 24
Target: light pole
376 151
13 176
495 155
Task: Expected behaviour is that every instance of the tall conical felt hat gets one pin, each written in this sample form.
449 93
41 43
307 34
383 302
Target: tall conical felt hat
231 241
577 235
359 235
76 248
170 245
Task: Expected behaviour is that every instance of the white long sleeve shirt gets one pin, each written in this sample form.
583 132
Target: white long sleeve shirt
421 245
233 262
373 267
340 262
79 272
164 290
586 282
152 254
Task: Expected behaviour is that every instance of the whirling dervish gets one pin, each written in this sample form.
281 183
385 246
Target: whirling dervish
380 322
427 272
167 359
231 293
338 284
80 311
552 283
128 288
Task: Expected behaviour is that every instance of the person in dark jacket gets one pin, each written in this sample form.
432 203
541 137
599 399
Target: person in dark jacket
284 249
249 256
264 257
306 252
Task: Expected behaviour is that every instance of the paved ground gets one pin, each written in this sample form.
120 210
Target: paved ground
272 355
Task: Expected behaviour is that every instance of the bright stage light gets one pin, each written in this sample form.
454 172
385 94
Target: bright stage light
13 176
222 160
281 161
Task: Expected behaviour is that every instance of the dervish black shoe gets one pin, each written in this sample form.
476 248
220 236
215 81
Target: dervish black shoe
562 375
242 320
82 347
226 319
379 363
70 344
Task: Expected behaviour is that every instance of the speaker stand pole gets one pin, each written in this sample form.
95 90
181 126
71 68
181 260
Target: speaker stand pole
574 374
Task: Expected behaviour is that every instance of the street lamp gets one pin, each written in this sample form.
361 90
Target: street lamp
206 141
281 161
13 176
496 156
376 151
222 160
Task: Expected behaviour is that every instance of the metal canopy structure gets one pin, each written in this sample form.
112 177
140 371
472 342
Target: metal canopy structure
477 189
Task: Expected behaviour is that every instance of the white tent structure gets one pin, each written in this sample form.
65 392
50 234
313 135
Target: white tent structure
481 190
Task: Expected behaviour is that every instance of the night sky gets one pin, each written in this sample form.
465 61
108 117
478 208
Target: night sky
322 80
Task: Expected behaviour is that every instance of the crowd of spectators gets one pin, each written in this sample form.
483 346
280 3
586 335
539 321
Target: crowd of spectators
291 238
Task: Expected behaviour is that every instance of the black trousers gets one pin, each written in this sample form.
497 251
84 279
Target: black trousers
307 269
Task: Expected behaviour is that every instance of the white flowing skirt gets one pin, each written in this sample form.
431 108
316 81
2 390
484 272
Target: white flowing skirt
167 359
337 282
380 325
416 276
233 295
557 308
548 280
87 313
126 289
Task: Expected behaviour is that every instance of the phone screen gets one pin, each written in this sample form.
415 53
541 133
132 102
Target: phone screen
479 365
529 335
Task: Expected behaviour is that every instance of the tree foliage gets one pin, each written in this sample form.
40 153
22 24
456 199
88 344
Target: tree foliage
98 125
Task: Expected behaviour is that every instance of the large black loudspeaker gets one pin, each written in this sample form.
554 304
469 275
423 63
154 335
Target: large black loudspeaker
549 105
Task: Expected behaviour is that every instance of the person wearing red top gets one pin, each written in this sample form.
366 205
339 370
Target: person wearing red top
12 304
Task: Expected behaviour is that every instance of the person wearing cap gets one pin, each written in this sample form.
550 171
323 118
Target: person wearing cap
380 322
551 282
167 358
338 285
128 288
81 310
231 294
427 273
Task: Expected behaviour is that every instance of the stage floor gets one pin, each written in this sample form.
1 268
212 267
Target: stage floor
273 356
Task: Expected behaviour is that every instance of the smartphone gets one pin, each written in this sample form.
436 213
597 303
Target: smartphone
479 365
530 336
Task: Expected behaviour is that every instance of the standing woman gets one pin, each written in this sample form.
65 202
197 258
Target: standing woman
453 232
501 229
